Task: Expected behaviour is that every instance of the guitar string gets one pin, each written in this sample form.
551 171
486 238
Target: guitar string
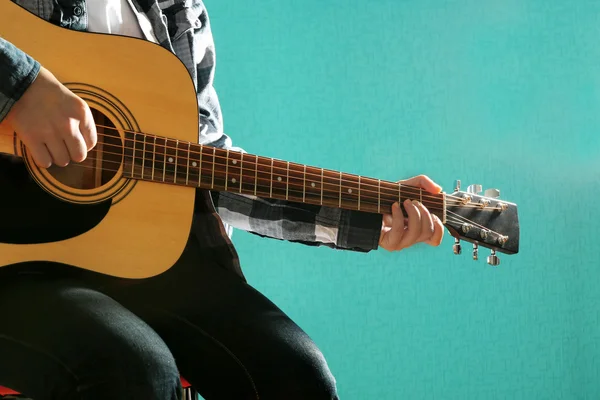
275 168
386 196
408 189
459 222
470 221
451 216
265 189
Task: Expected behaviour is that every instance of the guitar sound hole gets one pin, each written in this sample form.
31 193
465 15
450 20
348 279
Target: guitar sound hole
102 162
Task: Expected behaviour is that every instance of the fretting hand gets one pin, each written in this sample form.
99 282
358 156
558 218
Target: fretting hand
420 226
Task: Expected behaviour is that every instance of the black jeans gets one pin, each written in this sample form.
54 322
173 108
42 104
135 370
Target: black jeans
84 336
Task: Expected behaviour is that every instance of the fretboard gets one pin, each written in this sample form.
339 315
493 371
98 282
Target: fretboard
171 161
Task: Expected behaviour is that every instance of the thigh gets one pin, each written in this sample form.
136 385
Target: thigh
60 339
228 339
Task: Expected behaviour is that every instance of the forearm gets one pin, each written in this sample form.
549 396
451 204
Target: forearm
17 71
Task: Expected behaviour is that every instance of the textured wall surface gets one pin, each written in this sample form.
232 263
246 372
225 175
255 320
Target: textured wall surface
502 93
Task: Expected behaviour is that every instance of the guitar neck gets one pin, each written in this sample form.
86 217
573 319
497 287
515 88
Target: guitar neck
169 161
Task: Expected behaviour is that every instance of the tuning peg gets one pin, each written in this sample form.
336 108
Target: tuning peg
457 247
493 259
493 193
474 189
475 251
457 185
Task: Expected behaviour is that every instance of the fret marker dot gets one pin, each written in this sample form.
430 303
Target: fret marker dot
194 164
313 184
279 178
233 180
349 190
234 162
170 159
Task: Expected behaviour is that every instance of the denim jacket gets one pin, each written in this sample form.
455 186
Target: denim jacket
183 27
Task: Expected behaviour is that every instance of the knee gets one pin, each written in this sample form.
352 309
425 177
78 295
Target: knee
316 376
122 369
142 370
305 374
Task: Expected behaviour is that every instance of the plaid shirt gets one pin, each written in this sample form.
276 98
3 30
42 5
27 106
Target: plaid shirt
187 33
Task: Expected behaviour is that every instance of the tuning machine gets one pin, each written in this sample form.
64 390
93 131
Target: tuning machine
457 248
492 193
474 189
493 259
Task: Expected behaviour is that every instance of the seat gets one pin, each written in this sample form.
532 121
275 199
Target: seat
188 392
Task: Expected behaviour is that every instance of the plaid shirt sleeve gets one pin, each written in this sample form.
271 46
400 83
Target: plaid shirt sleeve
300 223
17 71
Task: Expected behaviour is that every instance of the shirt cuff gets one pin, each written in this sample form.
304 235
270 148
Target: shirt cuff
18 70
359 231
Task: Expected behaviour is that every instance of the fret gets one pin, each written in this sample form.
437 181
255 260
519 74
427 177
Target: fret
297 182
271 191
148 157
359 193
379 196
138 161
226 169
301 177
232 170
197 166
340 190
153 158
287 186
322 186
263 173
350 191
400 194
200 166
256 175
175 161
171 149
187 171
279 188
331 188
304 186
212 184
164 159
181 160
143 155
133 155
247 184
241 171
127 152
421 195
157 150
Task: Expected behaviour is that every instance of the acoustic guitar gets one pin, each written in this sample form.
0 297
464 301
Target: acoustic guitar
130 202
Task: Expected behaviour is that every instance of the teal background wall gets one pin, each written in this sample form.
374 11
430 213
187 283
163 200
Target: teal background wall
502 93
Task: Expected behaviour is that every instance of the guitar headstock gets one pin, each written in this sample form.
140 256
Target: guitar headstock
484 220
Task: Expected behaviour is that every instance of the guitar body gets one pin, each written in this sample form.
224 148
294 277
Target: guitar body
88 216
